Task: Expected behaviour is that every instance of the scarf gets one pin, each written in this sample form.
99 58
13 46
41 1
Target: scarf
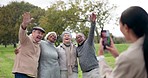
70 57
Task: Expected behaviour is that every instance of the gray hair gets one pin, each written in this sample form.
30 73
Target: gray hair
66 32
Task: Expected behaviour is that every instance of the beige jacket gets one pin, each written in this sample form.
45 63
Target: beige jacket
26 61
129 64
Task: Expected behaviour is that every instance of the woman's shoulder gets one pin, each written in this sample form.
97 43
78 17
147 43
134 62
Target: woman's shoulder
42 42
59 47
131 56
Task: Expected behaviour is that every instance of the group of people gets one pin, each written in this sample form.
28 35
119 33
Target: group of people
40 58
37 58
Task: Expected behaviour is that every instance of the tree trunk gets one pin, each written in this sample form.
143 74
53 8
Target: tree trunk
14 45
5 45
98 36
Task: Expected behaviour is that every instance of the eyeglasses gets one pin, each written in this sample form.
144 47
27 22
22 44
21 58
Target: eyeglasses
52 36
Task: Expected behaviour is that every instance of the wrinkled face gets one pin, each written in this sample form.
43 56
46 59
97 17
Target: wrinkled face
37 35
66 38
80 38
52 38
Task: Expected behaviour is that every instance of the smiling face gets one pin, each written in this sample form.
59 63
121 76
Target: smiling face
66 38
80 38
37 35
52 38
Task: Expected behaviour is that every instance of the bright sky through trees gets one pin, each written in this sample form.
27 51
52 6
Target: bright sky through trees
121 6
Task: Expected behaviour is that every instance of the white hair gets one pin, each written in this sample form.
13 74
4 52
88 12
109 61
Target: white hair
46 37
66 32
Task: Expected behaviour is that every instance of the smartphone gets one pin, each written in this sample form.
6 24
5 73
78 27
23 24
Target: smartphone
105 35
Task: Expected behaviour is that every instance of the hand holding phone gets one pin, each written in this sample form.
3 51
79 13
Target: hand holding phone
105 35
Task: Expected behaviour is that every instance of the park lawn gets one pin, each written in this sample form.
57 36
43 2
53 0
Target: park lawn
7 59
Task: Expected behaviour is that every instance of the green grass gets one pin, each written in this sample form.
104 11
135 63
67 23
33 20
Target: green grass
7 59
108 57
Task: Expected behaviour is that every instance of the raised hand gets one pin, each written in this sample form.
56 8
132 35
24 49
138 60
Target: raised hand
26 19
93 17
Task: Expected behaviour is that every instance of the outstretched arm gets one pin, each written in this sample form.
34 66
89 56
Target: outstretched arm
22 31
91 32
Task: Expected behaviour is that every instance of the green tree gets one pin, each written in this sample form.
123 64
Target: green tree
102 8
74 15
59 18
11 17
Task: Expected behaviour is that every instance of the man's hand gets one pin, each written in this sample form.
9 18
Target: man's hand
16 51
26 19
93 17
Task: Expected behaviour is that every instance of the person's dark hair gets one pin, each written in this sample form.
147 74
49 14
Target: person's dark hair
136 18
102 32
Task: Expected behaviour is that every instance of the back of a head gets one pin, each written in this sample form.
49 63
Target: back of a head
136 18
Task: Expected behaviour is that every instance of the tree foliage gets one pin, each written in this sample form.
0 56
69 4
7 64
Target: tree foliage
74 16
60 16
103 9
11 19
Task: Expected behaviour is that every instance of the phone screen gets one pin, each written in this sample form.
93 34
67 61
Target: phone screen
105 35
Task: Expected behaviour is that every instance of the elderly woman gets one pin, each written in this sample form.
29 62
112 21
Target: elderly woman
48 62
67 57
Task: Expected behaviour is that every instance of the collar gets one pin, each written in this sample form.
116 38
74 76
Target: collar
67 45
50 42
81 44
137 43
30 36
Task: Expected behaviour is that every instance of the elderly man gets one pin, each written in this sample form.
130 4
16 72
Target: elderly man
26 61
86 52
